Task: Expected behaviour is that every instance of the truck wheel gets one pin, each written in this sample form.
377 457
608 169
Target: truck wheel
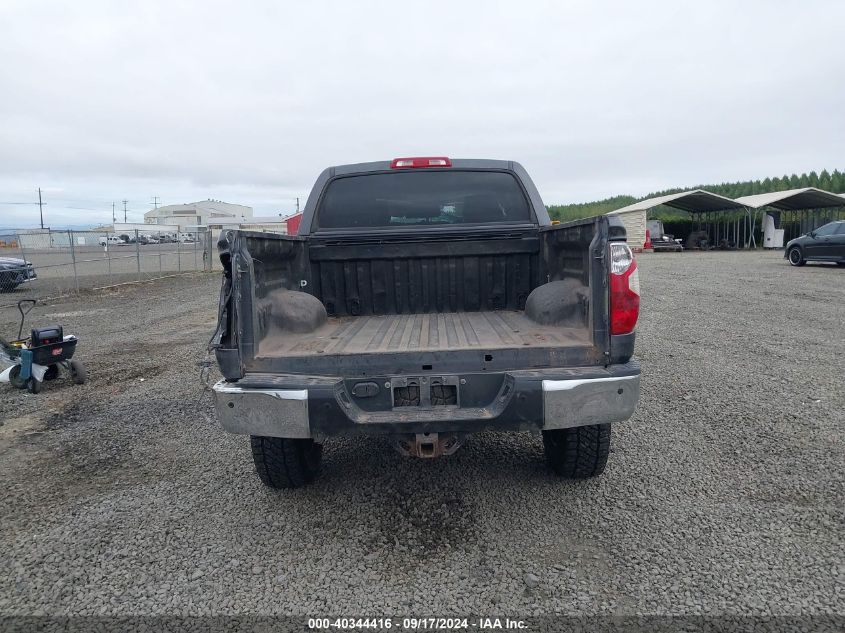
578 453
284 462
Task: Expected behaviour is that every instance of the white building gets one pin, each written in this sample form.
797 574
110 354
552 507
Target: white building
129 228
196 214
635 226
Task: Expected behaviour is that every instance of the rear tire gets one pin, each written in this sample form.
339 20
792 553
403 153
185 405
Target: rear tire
578 453
284 462
78 373
15 378
796 257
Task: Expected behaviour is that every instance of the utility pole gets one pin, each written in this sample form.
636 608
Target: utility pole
297 205
113 218
155 202
40 208
124 211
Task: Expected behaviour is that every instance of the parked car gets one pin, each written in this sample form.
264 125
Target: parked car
109 240
152 239
426 299
14 272
824 244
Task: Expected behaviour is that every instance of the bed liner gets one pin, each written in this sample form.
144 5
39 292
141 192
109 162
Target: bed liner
421 332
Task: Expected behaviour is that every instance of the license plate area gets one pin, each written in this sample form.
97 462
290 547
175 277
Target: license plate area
425 392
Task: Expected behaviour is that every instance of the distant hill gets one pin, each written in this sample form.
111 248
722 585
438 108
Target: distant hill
59 227
828 181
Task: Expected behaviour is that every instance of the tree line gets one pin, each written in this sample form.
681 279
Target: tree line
829 181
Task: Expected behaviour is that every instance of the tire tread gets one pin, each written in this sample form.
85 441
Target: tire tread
285 462
578 453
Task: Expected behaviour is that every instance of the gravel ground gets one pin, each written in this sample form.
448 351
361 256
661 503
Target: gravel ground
724 494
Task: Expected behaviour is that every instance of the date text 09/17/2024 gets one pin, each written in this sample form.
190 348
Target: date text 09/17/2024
416 624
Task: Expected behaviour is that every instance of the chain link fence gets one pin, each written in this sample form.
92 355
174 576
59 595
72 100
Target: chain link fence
46 263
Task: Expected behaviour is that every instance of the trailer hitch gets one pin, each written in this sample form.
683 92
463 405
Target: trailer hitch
428 445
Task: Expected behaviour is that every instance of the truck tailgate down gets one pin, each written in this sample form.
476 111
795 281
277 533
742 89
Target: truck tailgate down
426 299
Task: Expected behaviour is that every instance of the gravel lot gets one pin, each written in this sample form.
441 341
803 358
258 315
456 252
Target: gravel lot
724 494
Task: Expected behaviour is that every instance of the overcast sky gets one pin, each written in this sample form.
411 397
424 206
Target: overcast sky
247 102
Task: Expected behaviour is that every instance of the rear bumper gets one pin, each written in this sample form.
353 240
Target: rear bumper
268 412
298 406
581 402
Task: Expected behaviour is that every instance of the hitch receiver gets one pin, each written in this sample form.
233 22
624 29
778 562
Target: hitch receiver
428 445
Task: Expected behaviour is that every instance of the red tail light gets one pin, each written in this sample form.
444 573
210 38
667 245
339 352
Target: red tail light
420 161
624 289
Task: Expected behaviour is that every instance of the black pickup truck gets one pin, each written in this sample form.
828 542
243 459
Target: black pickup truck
426 299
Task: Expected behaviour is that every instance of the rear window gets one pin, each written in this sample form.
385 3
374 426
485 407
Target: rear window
422 198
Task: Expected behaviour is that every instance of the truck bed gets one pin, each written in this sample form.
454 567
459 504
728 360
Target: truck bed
421 332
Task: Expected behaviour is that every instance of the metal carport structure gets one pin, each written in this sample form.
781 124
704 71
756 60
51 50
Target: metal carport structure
721 217
799 210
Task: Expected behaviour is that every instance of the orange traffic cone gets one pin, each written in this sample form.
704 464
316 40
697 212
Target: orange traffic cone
648 245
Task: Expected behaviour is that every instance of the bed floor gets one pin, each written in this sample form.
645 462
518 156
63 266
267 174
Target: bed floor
422 332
